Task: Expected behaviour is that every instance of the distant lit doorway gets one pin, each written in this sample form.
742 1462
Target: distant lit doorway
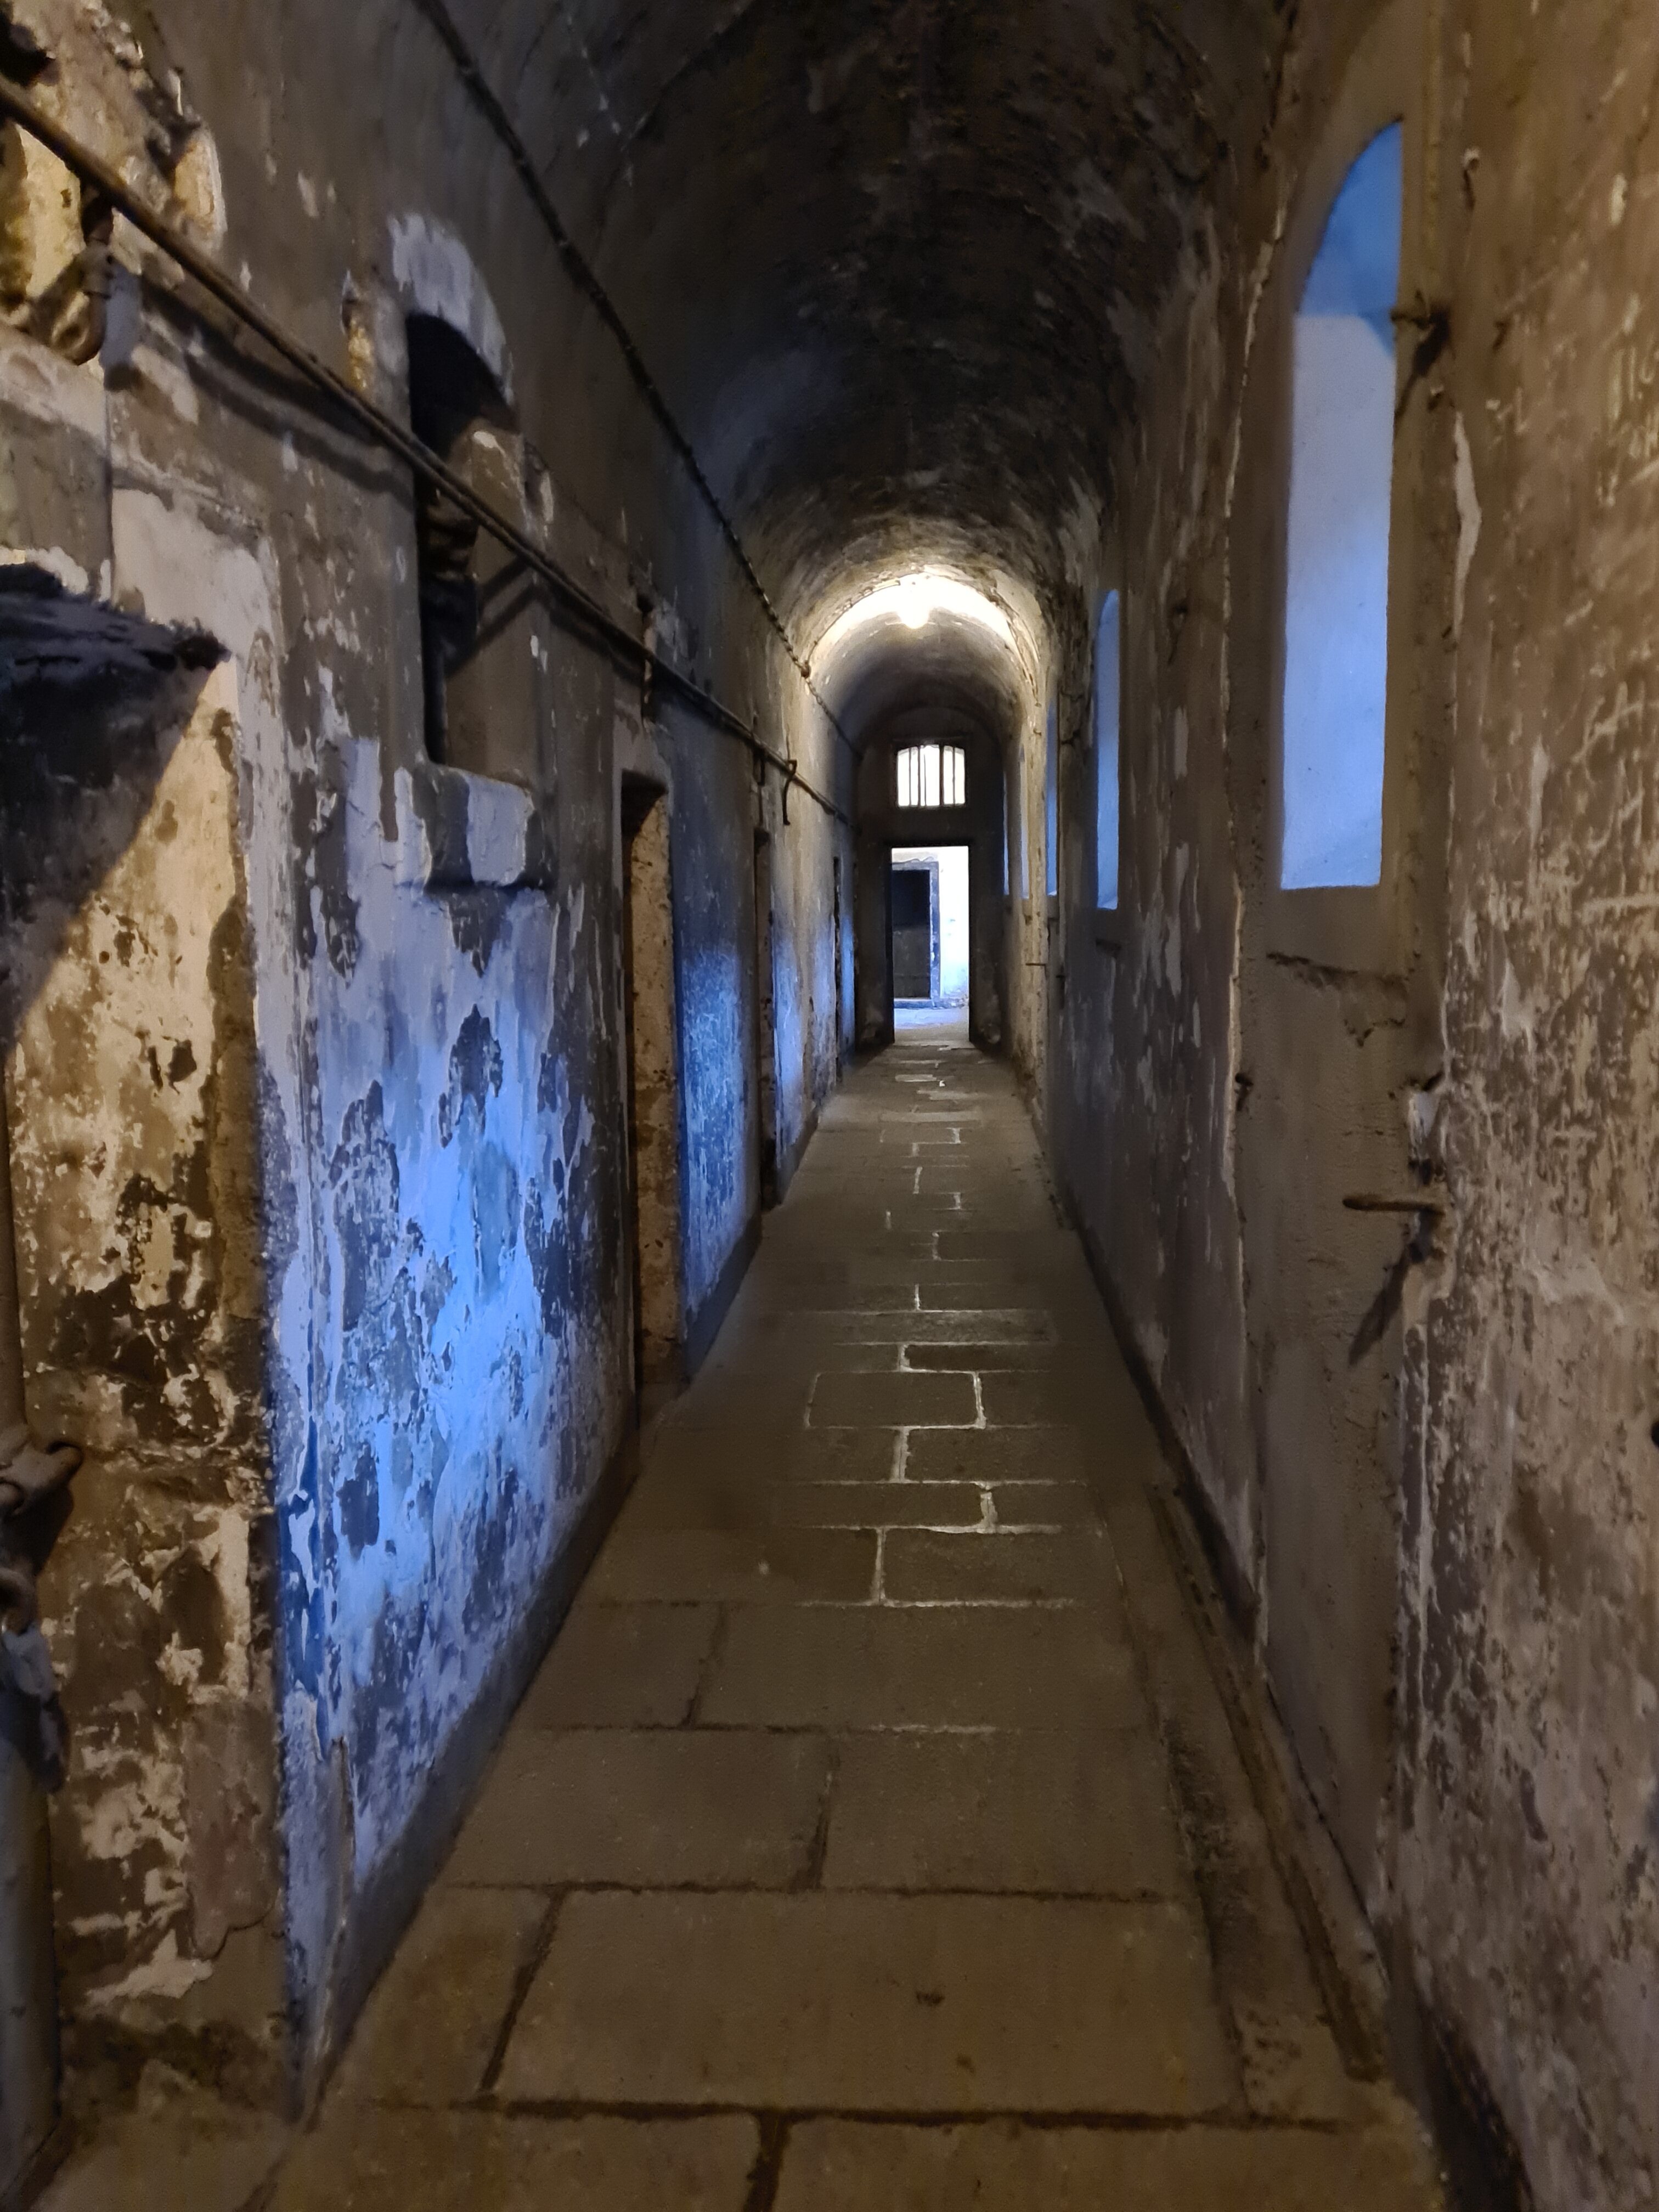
931 935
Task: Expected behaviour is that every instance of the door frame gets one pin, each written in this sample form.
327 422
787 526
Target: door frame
893 843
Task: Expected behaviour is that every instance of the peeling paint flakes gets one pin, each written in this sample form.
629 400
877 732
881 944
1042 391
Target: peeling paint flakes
226 1551
125 1817
1514 1012
180 1665
1468 522
302 1526
164 1974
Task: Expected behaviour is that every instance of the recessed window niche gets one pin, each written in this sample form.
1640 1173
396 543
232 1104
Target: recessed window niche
1336 618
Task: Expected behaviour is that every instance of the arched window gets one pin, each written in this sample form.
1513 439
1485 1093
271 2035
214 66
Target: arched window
1051 803
1336 621
1109 708
932 775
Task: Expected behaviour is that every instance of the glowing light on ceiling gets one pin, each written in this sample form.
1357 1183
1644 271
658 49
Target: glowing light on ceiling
912 602
915 609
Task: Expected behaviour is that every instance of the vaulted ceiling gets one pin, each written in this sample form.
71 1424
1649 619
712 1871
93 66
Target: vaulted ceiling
896 263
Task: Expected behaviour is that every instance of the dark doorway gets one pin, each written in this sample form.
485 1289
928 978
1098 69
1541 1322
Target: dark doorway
915 933
29 1998
766 1049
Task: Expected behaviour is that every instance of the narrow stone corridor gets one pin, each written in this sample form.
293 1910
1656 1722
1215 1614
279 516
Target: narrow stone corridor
873 1833
828 1105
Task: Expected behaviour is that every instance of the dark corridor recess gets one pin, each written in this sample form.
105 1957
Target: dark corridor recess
912 935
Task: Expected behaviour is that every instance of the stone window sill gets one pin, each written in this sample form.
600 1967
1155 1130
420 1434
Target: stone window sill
457 831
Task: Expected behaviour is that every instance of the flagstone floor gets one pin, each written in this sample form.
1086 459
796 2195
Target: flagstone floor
874 1835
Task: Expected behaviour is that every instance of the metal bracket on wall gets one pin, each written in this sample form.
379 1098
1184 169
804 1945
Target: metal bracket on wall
581 605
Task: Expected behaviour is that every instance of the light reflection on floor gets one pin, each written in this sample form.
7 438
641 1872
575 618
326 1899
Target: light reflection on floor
944 1021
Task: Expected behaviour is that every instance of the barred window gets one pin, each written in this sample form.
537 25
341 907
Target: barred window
932 775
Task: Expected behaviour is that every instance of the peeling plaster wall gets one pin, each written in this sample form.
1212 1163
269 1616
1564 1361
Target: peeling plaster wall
129 1094
316 1550
1532 1590
1460 1487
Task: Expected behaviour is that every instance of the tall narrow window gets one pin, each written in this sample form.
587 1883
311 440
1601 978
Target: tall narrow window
932 775
1108 708
1051 803
1336 622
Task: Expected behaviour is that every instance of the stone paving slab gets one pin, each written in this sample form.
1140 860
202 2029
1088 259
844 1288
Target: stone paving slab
1292 2067
836 2166
743 1379
1081 1816
967 1354
1072 1392
873 2003
989 1329
967 1285
879 1668
1040 1505
429 2031
790 1453
921 1564
763 1566
729 1499
660 1809
178 2147
894 1401
621 1666
394 2161
779 1400
1055 1453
